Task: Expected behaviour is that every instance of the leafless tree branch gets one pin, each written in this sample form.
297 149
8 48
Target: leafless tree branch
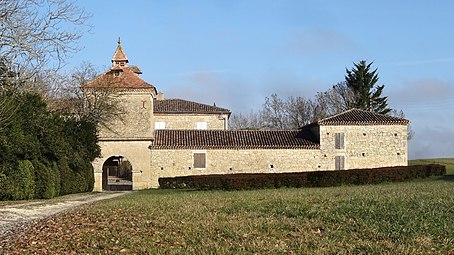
38 33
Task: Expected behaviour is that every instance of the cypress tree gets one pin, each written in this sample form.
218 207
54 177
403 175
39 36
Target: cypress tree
367 94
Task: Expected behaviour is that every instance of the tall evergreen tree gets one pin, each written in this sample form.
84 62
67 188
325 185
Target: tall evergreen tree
367 94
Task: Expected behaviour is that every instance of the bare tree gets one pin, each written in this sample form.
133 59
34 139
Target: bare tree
38 33
98 102
299 111
251 121
335 100
289 113
401 114
274 113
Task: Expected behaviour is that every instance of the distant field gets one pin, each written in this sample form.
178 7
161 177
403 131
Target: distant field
392 218
448 162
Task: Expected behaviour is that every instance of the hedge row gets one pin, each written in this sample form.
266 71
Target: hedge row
302 179
42 154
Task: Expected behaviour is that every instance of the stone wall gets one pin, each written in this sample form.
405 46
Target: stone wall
136 121
365 146
171 163
136 152
189 121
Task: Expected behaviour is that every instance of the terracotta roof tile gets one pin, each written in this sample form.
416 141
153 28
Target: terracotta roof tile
361 117
119 54
230 139
126 79
178 106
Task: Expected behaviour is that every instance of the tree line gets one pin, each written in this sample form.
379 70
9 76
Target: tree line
360 90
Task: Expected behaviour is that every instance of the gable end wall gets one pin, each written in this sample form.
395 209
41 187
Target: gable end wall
366 146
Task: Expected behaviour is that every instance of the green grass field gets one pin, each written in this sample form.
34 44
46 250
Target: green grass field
448 162
393 218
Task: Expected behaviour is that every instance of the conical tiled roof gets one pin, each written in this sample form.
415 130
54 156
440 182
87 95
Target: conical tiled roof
119 55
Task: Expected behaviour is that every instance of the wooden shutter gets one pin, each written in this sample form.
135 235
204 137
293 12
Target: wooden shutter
199 160
340 162
339 142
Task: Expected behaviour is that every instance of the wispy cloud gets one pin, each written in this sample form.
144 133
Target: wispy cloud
317 41
426 62
423 90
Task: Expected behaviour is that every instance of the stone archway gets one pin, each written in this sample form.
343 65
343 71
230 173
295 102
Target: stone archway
117 174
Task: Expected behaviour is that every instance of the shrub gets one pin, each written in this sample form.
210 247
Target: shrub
47 179
18 181
302 179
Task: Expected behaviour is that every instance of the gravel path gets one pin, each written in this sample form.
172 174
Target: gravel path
14 217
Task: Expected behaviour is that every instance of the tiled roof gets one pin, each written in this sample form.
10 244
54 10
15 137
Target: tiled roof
119 54
175 106
126 79
230 139
361 117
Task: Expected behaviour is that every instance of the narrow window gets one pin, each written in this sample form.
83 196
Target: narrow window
339 142
199 160
340 162
201 125
159 125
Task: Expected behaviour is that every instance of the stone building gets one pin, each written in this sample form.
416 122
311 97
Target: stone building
158 137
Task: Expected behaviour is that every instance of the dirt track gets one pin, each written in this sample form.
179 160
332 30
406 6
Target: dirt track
13 217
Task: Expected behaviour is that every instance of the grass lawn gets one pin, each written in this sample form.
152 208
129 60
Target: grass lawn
393 218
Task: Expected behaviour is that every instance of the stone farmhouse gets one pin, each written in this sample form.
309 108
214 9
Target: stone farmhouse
159 137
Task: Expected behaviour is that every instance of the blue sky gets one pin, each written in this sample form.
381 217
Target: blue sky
237 52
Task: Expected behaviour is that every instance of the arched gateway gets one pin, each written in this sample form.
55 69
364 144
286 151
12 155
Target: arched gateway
130 132
117 174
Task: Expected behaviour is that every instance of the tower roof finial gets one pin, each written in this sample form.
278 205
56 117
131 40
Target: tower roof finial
119 58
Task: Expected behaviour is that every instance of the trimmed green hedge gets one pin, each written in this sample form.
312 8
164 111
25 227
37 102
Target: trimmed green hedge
42 154
302 179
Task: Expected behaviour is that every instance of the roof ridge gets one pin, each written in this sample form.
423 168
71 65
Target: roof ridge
337 114
355 116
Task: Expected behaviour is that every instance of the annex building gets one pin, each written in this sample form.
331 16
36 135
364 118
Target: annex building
159 137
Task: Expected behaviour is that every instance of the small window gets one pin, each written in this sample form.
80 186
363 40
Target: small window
201 125
339 142
199 160
116 73
340 162
159 125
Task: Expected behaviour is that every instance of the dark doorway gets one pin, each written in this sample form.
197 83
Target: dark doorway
117 174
